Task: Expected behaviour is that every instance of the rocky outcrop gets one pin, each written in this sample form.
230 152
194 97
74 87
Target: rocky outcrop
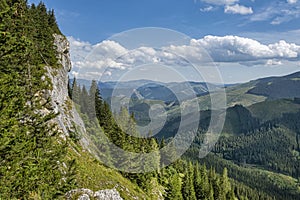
68 119
86 194
112 194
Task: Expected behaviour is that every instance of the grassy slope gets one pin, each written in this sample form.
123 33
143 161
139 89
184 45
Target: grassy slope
92 175
269 110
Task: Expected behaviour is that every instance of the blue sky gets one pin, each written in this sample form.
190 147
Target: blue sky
252 24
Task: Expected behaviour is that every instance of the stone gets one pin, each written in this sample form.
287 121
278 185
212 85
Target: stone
84 197
111 194
68 118
87 194
82 191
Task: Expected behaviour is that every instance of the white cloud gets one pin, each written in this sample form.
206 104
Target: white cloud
273 37
287 15
109 56
75 74
272 62
238 9
230 7
220 2
278 12
207 9
79 49
292 1
108 48
238 49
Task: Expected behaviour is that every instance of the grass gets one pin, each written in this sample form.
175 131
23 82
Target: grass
269 110
91 174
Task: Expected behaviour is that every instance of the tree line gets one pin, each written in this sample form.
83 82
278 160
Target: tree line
181 180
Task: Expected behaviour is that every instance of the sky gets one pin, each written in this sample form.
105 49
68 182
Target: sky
235 40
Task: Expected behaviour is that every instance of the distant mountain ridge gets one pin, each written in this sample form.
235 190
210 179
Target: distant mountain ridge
278 87
153 90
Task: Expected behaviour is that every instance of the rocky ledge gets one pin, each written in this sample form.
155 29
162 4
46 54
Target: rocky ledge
86 194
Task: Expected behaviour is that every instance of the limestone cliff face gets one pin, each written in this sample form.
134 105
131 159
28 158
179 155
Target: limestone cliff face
68 119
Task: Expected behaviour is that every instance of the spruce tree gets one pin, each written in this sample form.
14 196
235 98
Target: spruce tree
197 181
188 191
205 190
91 100
75 91
84 100
225 185
32 153
173 184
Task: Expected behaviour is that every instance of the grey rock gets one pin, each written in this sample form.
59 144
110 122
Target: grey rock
112 194
63 51
86 194
84 197
68 118
82 191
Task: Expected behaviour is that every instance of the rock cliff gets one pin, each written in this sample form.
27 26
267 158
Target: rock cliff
68 119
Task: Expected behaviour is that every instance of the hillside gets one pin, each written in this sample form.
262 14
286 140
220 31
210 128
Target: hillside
151 90
261 140
59 139
51 147
278 87
40 155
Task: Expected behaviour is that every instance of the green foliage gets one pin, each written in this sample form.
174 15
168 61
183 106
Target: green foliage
258 149
32 153
265 110
179 181
93 175
188 191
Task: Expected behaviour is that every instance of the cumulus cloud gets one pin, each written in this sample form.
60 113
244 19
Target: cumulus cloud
107 49
230 7
79 49
109 56
238 9
236 49
220 2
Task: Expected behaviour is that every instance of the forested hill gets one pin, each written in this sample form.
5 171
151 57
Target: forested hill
47 152
278 87
40 161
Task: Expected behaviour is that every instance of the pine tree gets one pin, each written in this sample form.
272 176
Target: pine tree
197 181
91 100
31 151
225 185
174 184
83 100
206 190
75 91
188 191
